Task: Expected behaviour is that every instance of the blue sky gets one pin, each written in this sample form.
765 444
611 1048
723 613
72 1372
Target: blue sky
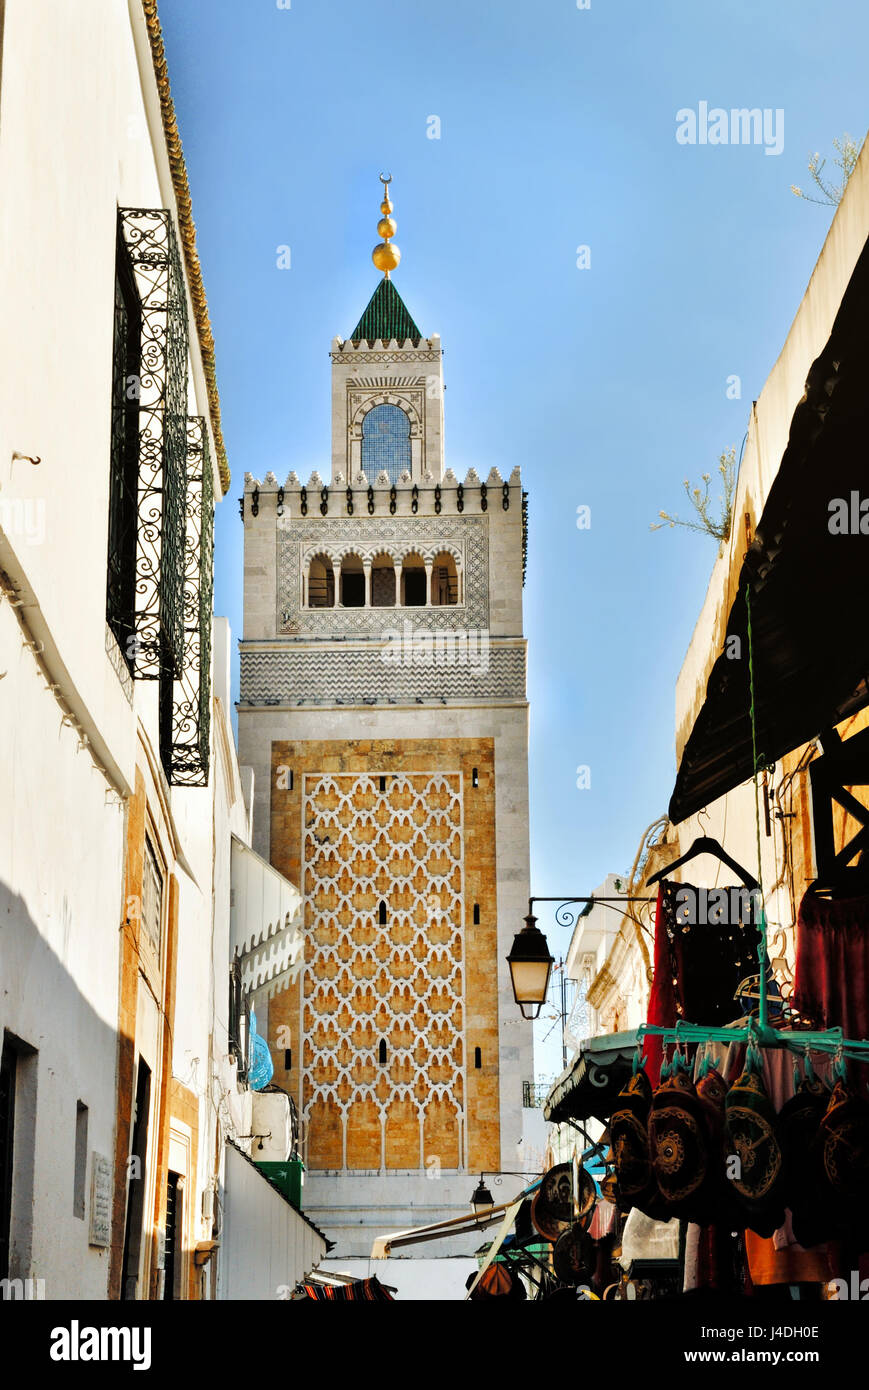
606 385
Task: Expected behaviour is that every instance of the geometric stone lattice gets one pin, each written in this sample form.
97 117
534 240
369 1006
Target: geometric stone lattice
382 1026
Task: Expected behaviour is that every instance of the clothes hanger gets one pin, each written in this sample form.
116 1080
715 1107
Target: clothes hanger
705 844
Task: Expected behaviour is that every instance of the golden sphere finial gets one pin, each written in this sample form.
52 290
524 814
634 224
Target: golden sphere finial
385 255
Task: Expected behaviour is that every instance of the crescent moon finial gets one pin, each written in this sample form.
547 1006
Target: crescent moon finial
386 254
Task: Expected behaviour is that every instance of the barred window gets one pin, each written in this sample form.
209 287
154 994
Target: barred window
123 486
385 442
152 899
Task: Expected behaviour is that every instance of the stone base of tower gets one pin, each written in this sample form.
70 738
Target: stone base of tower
401 1044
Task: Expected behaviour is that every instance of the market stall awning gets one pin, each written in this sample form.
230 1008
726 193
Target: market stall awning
589 1086
808 581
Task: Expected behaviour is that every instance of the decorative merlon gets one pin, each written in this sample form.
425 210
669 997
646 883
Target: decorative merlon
342 347
404 484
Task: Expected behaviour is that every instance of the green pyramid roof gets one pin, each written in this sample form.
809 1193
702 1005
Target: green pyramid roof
385 317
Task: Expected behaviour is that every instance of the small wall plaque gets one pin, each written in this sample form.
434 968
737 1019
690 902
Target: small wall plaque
101 1201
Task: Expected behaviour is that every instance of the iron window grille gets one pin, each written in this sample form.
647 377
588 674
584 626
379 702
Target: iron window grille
185 695
124 464
156 642
152 899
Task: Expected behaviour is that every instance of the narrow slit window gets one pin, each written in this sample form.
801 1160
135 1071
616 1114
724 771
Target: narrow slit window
475 777
381 1052
476 914
288 1059
81 1160
478 1058
383 784
381 914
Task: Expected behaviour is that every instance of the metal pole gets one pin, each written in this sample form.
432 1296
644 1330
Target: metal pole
563 1020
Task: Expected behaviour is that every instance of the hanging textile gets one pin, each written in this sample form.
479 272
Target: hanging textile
708 960
360 1291
662 998
832 963
789 1264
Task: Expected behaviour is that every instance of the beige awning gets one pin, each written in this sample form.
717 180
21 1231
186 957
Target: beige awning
442 1230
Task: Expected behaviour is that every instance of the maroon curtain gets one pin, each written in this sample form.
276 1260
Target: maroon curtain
832 963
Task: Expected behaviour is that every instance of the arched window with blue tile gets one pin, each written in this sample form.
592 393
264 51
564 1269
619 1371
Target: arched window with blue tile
385 442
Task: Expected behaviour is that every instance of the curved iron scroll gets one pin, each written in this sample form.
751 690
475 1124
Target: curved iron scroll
185 722
148 236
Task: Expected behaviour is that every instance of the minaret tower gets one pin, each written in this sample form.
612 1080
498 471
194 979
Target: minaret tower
383 710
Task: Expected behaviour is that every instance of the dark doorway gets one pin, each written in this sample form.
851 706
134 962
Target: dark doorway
8 1070
414 588
136 1183
174 1199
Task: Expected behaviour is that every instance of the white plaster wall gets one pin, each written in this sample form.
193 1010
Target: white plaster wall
80 135
266 1245
61 852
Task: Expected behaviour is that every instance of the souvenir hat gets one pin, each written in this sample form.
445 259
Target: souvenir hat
750 1137
629 1140
678 1147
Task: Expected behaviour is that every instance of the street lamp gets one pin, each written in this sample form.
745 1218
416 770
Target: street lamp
530 967
529 959
482 1199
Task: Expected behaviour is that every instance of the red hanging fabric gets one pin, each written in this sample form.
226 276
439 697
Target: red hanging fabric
662 1000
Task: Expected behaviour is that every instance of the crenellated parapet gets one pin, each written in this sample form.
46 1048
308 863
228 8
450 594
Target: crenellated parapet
361 495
